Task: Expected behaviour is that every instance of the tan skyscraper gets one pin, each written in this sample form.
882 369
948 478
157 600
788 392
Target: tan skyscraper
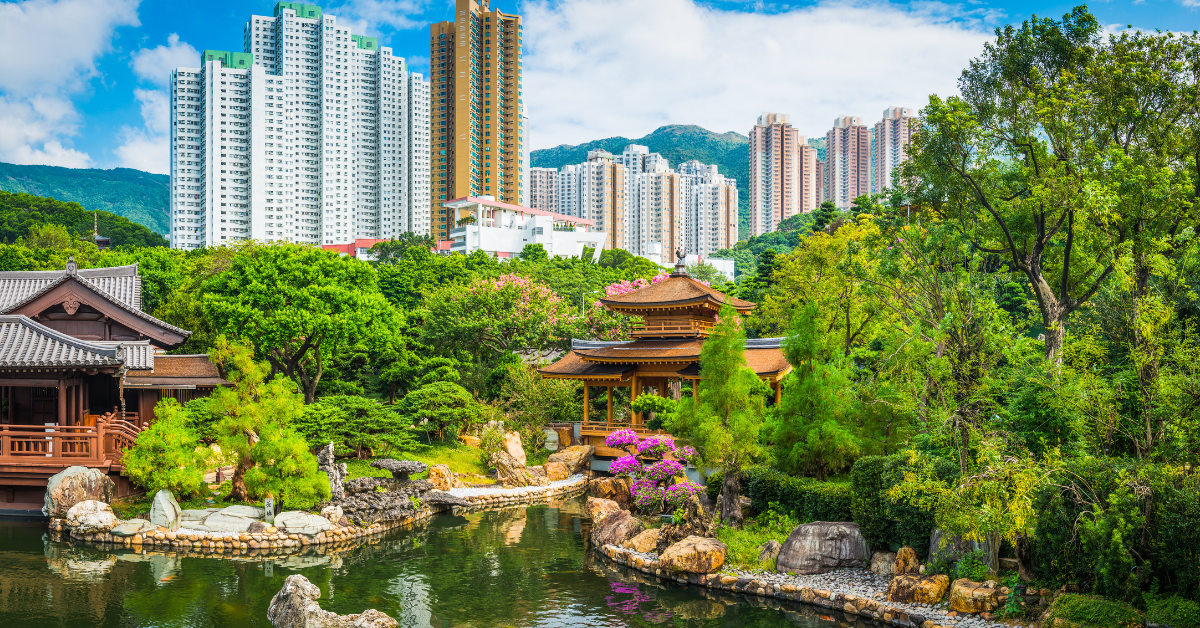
890 145
847 161
475 68
773 172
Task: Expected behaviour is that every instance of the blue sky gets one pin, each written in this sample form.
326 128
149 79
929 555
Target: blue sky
82 81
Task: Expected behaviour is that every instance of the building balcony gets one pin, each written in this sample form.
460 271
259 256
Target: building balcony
672 326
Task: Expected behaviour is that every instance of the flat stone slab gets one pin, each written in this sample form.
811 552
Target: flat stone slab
251 512
132 527
197 515
297 522
221 522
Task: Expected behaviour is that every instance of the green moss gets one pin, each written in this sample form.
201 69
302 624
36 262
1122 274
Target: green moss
1090 611
1173 611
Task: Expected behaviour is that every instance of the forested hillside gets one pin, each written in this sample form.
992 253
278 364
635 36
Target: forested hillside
142 197
20 213
678 143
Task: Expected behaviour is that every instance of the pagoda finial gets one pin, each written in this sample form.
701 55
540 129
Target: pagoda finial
71 266
680 265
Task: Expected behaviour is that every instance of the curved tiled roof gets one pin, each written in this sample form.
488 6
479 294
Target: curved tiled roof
572 366
122 283
27 343
677 291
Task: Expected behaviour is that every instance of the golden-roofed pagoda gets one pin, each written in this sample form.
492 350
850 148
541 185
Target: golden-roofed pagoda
677 314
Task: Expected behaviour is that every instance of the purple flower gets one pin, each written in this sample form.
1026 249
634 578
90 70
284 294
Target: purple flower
663 470
687 454
621 438
679 494
626 466
656 445
647 494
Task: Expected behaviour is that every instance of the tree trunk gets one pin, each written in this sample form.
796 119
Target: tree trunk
731 493
239 492
1054 315
1024 558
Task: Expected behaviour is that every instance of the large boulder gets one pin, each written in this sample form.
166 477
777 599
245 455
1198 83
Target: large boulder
598 509
91 516
295 606
131 527
694 554
696 522
514 447
551 443
566 436
335 472
442 478
821 547
911 589
509 472
224 522
644 542
906 562
577 458
614 488
616 529
883 563
556 471
297 522
948 547
164 510
769 551
73 485
967 596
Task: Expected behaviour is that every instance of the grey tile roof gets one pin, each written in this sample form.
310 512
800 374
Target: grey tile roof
120 282
27 343
137 354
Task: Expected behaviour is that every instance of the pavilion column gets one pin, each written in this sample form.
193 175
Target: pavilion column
634 417
610 388
778 391
587 402
62 402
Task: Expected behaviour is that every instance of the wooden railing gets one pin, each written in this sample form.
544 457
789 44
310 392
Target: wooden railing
673 326
117 436
78 444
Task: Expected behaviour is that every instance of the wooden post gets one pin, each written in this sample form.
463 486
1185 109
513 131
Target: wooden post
610 387
778 392
62 402
634 417
587 403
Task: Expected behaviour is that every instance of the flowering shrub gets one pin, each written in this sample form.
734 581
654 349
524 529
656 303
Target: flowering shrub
647 495
687 454
621 439
656 446
663 470
626 466
679 494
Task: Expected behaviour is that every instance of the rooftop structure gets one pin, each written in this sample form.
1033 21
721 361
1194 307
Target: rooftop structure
503 229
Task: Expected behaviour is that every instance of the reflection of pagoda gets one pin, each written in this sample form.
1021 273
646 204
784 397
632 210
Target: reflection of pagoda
677 315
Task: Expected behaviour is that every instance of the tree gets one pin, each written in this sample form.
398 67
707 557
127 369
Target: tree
495 316
531 401
824 216
298 306
389 252
356 424
754 287
256 421
722 420
166 456
444 408
534 253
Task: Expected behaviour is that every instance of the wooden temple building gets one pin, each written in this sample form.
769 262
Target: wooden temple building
677 314
81 369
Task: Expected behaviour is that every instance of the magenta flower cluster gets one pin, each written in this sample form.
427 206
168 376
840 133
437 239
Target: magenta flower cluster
686 453
621 439
656 445
627 465
663 470
677 495
647 494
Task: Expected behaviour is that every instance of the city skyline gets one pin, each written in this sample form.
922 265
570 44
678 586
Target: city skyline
99 99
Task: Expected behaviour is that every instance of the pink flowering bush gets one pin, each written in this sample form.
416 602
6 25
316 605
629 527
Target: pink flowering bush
621 439
677 495
687 453
647 495
626 466
656 446
663 471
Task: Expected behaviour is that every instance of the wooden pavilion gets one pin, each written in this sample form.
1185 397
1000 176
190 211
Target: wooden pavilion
677 314
81 369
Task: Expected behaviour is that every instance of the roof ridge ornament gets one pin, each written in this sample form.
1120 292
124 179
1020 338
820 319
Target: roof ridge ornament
680 266
72 267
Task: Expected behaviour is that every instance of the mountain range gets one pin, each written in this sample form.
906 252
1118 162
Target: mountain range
678 143
142 197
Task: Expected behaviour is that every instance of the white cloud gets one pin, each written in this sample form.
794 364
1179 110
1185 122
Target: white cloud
49 48
600 68
155 64
148 148
369 15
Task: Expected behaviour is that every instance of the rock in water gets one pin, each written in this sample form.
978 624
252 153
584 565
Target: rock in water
906 562
616 528
598 509
164 510
509 471
694 554
645 542
967 596
73 485
911 589
514 447
132 527
577 458
821 547
696 522
769 551
297 522
614 488
295 606
556 471
337 472
90 516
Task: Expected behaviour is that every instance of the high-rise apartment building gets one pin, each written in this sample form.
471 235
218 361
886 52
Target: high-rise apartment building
710 209
810 170
774 150
311 134
475 73
543 189
847 161
889 145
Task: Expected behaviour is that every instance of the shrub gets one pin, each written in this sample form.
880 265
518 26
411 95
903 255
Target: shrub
444 408
972 565
677 495
627 465
1093 612
165 455
656 446
805 498
647 495
621 439
664 470
355 425
883 521
1173 611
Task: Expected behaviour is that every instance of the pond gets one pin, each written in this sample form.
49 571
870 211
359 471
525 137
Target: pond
516 567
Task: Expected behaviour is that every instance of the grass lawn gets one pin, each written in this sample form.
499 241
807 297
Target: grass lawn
129 507
742 545
459 457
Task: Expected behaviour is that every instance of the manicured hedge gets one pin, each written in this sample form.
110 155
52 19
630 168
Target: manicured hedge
806 498
883 522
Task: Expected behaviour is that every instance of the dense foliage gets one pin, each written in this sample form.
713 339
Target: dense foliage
142 198
20 213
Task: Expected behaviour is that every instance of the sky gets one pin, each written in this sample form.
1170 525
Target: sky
83 82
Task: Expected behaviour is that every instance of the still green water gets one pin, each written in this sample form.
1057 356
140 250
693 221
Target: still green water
517 567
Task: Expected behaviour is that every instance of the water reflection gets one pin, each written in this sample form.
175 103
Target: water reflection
517 567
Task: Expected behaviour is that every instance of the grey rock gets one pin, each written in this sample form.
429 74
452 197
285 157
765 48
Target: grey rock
400 469
165 511
258 527
73 485
131 527
336 472
769 551
442 498
197 514
250 512
221 522
551 439
295 606
884 563
297 522
616 529
91 516
822 547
